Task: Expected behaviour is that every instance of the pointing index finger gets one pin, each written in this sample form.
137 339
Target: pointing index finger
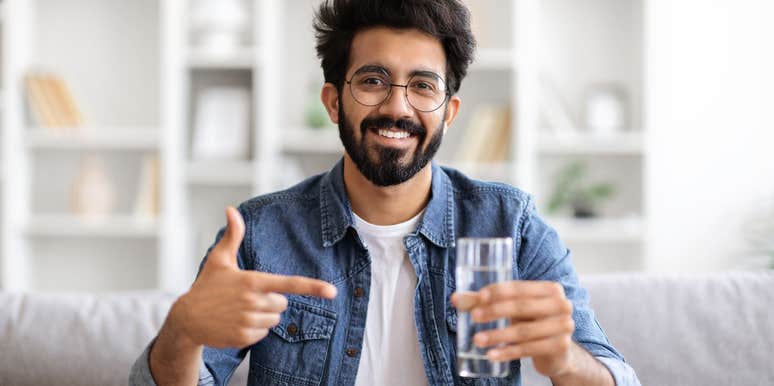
298 285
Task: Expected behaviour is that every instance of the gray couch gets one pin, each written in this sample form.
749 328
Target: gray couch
674 330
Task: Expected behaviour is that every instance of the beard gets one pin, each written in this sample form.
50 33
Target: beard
388 168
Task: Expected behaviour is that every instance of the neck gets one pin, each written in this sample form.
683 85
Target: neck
386 205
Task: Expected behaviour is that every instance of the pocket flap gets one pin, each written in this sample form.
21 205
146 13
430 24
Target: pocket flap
300 322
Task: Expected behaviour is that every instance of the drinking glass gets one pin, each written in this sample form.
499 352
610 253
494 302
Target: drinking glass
480 262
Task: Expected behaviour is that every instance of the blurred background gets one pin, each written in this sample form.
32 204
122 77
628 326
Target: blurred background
643 127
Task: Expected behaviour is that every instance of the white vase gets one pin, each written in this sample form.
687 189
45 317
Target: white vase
605 110
93 195
218 25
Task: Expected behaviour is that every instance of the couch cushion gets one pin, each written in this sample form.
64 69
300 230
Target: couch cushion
674 330
683 330
76 339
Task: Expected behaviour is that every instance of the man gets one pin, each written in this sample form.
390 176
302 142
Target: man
347 278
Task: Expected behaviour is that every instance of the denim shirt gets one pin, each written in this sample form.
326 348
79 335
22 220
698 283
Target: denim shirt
309 230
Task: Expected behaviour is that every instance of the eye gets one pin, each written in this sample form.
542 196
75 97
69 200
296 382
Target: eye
423 86
371 81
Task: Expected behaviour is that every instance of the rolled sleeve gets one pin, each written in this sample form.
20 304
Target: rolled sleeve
623 374
140 374
543 256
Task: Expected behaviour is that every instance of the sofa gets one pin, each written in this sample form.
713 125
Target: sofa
682 330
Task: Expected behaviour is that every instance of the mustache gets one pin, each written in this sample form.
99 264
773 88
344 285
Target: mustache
387 123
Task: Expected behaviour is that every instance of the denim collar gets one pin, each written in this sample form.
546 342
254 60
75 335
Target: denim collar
437 223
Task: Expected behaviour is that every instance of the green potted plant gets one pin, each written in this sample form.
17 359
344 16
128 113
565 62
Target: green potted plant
571 190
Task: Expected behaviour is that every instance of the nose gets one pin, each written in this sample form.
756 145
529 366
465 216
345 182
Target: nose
397 105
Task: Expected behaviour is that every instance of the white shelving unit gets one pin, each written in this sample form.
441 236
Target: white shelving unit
111 64
244 59
222 173
3 114
597 43
151 107
605 230
73 226
96 139
625 143
13 270
312 141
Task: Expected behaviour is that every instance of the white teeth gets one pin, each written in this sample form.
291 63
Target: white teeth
393 134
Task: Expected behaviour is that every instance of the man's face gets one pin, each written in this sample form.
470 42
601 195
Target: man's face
393 141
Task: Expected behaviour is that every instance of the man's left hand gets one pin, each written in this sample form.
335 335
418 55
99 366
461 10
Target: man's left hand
541 323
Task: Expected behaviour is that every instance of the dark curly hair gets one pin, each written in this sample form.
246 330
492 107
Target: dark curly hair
337 21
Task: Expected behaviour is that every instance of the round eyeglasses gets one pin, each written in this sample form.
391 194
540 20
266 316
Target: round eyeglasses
425 92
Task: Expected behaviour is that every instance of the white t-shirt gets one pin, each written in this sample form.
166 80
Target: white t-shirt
390 354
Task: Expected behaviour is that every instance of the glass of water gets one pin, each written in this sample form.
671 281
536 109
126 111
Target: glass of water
480 262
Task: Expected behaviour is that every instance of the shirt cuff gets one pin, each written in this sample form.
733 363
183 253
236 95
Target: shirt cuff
140 375
623 374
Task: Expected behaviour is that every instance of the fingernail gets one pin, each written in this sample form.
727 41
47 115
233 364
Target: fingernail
494 354
477 315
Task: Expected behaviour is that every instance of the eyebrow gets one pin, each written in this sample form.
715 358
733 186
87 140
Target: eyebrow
372 68
375 68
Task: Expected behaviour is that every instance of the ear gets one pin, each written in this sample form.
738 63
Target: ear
330 99
452 108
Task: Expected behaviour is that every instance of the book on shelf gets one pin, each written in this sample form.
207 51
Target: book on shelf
486 139
51 104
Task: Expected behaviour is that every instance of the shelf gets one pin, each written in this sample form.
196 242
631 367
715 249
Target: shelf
244 59
312 141
598 230
571 143
67 225
493 59
77 139
489 171
220 173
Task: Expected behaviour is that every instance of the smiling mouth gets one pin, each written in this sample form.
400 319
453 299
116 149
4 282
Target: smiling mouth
392 133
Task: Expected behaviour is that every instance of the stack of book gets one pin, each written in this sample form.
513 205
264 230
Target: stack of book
487 137
50 103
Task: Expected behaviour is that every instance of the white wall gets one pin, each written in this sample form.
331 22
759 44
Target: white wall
710 103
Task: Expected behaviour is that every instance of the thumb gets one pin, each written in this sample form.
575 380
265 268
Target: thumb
228 246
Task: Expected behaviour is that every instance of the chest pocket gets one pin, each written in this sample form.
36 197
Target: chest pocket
296 351
512 379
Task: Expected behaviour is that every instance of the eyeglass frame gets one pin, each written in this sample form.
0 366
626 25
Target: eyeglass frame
446 96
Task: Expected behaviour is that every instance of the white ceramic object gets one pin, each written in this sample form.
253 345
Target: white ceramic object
219 25
93 194
605 110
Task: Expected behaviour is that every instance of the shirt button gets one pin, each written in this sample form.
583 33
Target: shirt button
359 292
351 352
292 329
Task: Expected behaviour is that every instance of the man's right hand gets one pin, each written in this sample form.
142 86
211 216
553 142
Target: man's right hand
230 307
